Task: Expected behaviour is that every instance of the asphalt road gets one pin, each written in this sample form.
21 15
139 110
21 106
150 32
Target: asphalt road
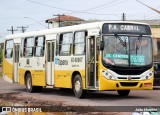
105 98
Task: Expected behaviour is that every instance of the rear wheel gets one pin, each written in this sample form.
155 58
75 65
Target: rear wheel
123 92
78 87
30 88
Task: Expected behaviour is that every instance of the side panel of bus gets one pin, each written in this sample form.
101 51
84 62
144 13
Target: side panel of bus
70 58
32 62
65 66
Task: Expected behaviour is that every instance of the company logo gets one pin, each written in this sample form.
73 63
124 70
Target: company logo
129 78
56 60
61 62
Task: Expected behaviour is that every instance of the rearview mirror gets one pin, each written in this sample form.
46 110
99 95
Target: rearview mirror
102 43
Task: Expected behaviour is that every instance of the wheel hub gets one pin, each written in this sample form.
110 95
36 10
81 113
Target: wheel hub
29 83
77 86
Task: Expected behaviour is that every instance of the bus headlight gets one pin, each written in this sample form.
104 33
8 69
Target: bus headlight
109 76
147 76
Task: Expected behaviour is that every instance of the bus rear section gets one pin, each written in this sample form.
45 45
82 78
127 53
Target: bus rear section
11 60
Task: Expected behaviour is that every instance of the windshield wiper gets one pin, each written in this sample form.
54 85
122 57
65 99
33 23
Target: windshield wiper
121 41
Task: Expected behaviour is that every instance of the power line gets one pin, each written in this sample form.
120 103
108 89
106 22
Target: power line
12 30
51 6
114 4
36 21
66 9
23 28
31 24
101 5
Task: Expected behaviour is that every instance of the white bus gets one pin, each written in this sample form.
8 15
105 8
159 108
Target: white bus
99 56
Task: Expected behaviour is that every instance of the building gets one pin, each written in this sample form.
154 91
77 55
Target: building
64 20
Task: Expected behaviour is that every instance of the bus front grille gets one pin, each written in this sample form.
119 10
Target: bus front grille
128 83
132 78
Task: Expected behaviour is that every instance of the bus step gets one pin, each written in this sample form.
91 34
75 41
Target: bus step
91 88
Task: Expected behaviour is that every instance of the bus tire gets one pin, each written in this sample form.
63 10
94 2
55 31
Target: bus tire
78 87
123 92
28 83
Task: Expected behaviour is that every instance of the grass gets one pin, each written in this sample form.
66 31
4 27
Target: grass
0 74
0 65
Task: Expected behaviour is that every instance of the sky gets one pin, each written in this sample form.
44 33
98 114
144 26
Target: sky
13 12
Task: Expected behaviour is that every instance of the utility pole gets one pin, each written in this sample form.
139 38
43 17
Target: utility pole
12 30
123 16
59 20
23 28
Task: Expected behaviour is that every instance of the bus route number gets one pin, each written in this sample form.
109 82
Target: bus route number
76 59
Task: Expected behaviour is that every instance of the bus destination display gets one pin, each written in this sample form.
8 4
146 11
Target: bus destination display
126 29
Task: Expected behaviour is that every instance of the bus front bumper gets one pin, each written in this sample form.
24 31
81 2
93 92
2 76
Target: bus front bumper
105 84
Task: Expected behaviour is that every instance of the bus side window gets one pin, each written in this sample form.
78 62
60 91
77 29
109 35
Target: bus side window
79 43
57 45
65 43
24 52
39 46
24 49
29 44
9 49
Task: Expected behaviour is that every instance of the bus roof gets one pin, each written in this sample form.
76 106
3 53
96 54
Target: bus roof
67 29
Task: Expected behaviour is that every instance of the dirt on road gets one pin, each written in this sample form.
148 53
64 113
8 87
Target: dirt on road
16 98
14 94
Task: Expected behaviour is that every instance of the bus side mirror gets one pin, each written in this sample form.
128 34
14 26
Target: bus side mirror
102 45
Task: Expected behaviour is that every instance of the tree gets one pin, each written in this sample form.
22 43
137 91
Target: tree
1 55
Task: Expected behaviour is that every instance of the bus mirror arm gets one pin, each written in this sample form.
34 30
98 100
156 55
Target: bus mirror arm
102 45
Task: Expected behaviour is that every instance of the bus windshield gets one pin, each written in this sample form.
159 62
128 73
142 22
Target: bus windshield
127 51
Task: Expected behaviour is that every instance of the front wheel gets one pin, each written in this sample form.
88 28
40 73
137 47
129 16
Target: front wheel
78 87
123 92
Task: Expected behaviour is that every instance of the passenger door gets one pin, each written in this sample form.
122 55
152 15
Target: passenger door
50 62
91 65
16 62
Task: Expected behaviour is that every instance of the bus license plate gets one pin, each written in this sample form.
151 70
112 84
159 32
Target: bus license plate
147 84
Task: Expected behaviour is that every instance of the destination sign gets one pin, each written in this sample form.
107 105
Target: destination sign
126 29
